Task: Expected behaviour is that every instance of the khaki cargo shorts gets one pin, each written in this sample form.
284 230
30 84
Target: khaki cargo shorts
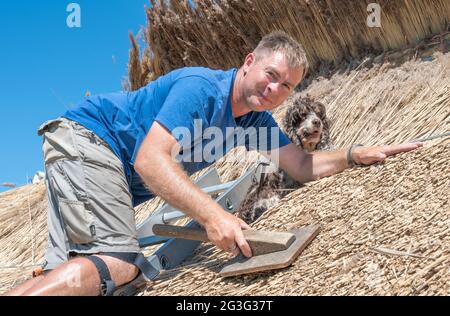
90 206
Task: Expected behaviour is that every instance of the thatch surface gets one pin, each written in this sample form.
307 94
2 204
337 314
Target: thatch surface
218 34
23 233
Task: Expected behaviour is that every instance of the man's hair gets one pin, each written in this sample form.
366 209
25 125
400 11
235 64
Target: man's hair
280 41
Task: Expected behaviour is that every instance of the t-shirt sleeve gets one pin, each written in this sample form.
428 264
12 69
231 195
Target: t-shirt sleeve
187 109
268 135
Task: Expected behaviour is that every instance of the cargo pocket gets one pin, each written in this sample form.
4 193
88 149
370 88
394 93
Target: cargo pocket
78 221
57 141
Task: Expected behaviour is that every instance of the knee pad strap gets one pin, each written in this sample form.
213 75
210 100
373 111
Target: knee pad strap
107 285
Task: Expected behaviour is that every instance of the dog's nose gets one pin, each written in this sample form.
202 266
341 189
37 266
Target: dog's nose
316 122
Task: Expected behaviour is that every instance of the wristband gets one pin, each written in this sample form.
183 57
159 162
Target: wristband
351 162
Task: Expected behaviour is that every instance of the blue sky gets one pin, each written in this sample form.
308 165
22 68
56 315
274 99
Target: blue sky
46 67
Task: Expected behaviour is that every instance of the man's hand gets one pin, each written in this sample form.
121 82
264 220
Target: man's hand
225 231
371 155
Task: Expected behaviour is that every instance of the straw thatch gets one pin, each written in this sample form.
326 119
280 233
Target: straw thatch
385 228
23 231
218 34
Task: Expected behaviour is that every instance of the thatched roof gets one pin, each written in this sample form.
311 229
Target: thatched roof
219 34
384 228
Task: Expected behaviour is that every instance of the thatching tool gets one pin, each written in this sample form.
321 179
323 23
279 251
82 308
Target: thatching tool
260 242
271 250
275 260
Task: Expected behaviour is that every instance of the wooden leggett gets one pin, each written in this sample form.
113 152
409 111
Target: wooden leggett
275 260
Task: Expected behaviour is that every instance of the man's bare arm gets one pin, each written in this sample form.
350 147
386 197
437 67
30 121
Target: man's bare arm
164 176
304 167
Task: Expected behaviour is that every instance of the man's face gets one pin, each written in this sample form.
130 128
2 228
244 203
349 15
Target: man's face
268 81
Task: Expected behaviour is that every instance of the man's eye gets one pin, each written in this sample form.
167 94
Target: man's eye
287 86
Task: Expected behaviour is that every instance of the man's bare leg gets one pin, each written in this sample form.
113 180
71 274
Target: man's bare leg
22 288
79 277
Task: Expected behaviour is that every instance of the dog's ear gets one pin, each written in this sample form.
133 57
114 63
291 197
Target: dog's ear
290 122
319 109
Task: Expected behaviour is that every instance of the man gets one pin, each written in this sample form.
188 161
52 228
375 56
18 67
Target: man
115 151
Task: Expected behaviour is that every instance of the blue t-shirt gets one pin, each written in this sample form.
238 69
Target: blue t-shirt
194 104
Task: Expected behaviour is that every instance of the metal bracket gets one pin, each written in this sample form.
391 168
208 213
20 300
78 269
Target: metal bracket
174 251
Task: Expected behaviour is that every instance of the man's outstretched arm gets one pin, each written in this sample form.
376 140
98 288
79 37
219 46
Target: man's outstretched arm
304 167
165 177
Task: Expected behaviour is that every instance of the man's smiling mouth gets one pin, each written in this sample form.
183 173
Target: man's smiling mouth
261 96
